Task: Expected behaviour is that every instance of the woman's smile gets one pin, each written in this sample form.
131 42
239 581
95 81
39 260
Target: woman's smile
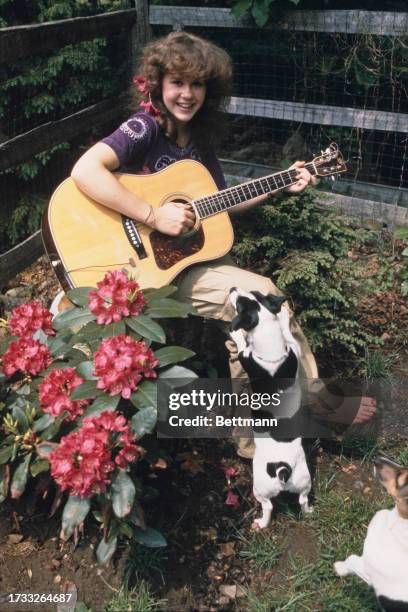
183 97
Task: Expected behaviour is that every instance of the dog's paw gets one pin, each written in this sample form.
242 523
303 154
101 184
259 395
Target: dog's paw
340 567
259 524
306 509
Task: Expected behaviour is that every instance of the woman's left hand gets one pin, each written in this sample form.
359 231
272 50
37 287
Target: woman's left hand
305 178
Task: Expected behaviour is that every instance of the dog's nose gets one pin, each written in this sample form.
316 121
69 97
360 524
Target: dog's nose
232 289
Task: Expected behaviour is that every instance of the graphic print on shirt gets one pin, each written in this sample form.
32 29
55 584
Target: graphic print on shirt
135 128
165 160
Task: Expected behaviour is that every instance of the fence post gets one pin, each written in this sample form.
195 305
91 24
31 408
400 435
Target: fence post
139 35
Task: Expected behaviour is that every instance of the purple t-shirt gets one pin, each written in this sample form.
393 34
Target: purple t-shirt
141 146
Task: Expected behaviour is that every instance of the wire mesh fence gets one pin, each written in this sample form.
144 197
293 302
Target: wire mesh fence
312 78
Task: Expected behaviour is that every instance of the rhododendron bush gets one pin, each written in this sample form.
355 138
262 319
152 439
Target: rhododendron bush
78 393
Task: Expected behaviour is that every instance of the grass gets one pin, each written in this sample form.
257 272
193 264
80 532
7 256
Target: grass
377 364
339 527
262 549
141 565
137 599
403 456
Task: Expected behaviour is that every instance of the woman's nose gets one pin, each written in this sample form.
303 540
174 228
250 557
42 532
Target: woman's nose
187 91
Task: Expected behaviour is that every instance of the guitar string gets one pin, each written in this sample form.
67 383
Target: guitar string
210 205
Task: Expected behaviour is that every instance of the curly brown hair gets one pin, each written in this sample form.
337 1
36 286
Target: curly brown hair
188 56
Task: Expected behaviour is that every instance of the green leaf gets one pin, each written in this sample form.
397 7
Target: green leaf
73 318
169 308
260 12
79 296
123 494
172 354
75 512
59 345
20 416
5 454
401 233
147 328
41 337
87 390
101 404
177 376
106 550
19 480
38 466
113 329
45 448
85 369
405 252
144 421
52 429
240 7
157 294
43 422
149 537
145 395
3 483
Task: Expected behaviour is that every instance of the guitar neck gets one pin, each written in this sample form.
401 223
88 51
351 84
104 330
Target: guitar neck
228 198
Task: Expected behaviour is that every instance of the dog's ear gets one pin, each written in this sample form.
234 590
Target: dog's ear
247 314
389 474
272 302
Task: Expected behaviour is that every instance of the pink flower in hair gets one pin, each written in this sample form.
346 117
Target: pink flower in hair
141 84
149 107
143 87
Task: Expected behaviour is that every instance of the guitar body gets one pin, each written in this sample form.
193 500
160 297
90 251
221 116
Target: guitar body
84 239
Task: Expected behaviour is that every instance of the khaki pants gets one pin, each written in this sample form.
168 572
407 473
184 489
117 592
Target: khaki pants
207 288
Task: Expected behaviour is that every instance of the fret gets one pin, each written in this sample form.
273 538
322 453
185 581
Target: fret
227 198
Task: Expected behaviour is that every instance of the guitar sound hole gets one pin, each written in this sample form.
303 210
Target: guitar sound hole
169 250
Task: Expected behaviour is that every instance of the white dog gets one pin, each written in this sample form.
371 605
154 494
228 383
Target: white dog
269 354
384 562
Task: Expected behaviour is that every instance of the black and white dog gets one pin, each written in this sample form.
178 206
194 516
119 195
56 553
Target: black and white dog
269 354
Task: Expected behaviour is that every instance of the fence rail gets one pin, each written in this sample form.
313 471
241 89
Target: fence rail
18 149
347 22
19 42
323 115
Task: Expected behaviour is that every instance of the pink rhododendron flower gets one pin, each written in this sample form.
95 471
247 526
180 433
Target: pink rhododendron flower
117 296
232 499
83 461
121 362
28 318
55 392
27 355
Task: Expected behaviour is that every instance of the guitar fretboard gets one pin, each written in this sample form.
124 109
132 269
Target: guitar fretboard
227 198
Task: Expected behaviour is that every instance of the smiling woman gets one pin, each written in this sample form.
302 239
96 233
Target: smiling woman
182 84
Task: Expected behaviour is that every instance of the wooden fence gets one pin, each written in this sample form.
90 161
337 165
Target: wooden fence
23 41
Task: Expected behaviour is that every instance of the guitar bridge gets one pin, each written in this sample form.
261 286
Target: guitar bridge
132 234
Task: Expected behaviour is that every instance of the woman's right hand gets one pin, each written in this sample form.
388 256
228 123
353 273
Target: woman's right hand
174 218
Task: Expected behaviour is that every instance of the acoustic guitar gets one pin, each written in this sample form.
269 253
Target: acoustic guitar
84 239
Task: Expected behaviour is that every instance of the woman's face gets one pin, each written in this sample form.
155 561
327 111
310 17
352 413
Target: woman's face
183 97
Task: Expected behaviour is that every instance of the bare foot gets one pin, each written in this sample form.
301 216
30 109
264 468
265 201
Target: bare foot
366 411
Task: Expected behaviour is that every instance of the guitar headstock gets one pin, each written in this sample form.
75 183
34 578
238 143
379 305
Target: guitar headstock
330 161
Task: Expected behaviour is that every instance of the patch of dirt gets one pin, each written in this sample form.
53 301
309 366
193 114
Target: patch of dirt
40 563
